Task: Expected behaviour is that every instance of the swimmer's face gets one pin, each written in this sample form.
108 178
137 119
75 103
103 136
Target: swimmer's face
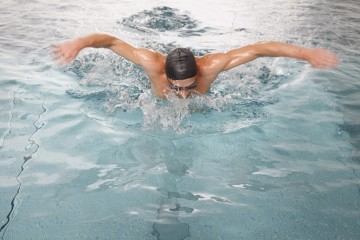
183 87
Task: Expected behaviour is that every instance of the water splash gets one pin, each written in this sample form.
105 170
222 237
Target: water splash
237 100
162 19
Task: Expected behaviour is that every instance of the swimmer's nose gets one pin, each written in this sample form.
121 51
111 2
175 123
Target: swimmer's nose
183 93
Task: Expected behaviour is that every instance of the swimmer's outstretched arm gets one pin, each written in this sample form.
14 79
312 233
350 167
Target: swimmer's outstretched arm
66 52
318 58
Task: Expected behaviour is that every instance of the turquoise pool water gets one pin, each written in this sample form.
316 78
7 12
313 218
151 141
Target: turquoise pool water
86 151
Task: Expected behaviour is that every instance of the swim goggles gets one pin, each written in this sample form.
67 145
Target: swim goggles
178 88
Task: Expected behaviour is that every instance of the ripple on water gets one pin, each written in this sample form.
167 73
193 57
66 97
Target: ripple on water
161 19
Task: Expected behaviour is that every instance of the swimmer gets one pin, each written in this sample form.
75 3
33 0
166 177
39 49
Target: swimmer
180 71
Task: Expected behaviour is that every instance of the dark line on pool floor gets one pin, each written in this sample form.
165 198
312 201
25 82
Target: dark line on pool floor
9 131
26 159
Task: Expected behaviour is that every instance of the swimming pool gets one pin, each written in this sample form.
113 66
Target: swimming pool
86 152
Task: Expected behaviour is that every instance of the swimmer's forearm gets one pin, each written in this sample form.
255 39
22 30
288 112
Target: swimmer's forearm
107 41
248 53
95 41
317 57
66 52
279 49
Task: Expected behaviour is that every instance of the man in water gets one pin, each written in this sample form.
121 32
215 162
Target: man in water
180 71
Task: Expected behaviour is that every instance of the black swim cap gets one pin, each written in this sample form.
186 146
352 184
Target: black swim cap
180 64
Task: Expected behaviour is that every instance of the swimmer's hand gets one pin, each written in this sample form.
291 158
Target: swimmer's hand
321 58
66 52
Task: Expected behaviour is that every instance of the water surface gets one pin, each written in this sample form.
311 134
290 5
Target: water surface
86 151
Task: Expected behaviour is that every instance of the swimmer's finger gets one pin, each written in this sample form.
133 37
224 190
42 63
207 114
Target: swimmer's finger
56 47
61 59
56 50
324 59
62 62
57 55
336 60
332 61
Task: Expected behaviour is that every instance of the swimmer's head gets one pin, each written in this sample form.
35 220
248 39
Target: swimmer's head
180 64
